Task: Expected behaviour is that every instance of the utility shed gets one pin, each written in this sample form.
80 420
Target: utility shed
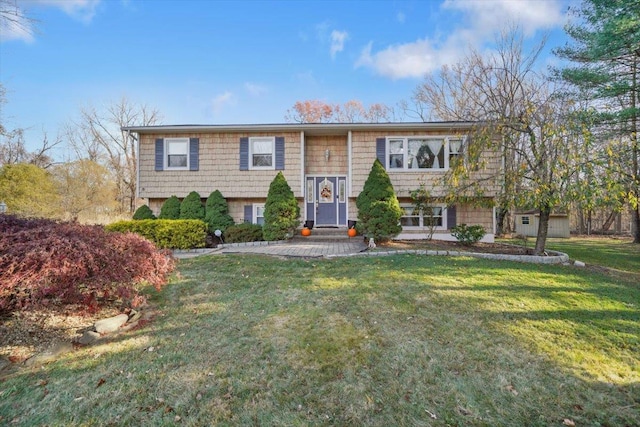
527 224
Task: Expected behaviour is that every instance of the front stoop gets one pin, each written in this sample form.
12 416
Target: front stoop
327 234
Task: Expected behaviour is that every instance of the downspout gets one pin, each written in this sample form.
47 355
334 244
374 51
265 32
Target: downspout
349 166
303 168
137 139
349 170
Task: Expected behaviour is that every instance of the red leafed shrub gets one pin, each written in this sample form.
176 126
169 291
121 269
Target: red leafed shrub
43 261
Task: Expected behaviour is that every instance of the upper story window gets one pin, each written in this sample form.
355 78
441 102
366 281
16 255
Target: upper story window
422 153
262 153
177 153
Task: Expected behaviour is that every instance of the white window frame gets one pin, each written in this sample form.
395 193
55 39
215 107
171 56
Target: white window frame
167 142
254 215
422 225
405 149
272 140
522 219
462 151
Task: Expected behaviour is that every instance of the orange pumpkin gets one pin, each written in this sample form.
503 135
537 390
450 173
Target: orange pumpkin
306 232
352 232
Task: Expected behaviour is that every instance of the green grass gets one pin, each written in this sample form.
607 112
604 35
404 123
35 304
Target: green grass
402 340
614 253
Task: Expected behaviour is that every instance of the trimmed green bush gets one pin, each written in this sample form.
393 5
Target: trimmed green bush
217 213
170 208
143 212
281 211
379 211
241 233
191 207
468 234
166 234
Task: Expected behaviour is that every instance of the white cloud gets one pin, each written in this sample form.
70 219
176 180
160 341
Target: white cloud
400 17
17 26
221 101
22 28
337 42
409 60
478 24
531 15
255 89
81 10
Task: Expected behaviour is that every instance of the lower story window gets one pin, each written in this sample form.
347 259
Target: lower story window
525 220
431 216
258 214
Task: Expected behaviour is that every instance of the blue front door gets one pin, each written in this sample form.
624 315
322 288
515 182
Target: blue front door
326 200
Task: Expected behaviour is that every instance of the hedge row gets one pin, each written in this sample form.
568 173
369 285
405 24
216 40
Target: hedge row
168 234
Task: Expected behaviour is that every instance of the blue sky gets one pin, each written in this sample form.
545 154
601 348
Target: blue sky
210 62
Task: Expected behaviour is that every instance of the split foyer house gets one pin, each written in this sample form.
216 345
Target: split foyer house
326 166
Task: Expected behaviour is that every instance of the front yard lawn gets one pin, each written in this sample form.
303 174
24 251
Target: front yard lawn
402 340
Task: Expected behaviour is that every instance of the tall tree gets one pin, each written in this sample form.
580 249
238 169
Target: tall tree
86 189
13 149
316 111
99 134
28 190
519 115
605 69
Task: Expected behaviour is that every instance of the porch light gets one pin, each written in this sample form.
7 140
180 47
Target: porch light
3 207
327 153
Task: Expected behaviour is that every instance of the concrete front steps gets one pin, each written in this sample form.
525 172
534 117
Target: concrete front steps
327 234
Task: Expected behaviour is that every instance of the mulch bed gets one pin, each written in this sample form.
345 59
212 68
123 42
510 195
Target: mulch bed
438 245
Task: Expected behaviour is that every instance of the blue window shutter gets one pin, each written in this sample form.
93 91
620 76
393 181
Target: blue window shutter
159 154
279 153
244 154
194 154
381 151
451 217
248 213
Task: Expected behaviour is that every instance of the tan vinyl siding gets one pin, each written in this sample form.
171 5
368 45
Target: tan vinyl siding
219 159
314 153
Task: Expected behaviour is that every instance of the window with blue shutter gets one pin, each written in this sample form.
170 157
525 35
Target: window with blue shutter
451 217
194 148
244 154
381 151
248 213
159 154
177 154
279 153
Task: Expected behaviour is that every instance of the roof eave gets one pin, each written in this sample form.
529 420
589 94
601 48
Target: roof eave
298 127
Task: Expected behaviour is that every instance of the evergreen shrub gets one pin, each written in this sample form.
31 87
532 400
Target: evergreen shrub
217 213
379 211
166 234
191 207
242 233
281 211
143 212
170 208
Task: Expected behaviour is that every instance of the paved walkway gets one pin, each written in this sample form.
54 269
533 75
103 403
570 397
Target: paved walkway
294 248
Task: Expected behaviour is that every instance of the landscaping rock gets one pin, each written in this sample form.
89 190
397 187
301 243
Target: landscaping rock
88 337
47 356
134 316
111 324
4 362
579 264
